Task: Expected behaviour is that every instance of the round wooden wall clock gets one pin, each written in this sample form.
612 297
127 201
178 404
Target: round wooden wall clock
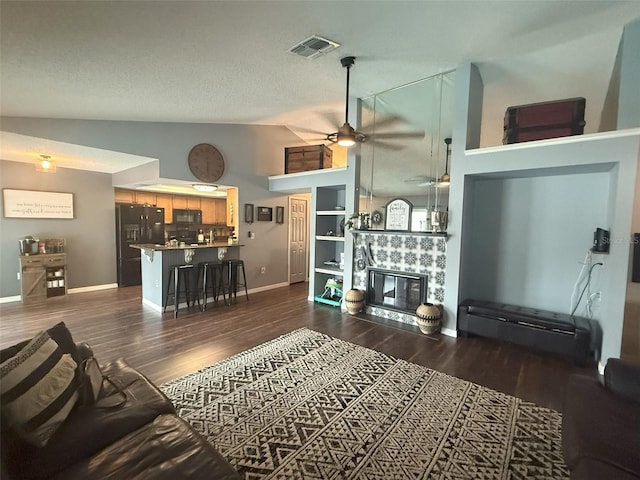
206 162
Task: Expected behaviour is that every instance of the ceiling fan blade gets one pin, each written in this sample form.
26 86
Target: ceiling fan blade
382 144
417 134
332 117
308 131
383 121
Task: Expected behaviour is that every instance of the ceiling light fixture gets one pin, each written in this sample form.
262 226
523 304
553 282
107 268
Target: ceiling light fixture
203 187
346 136
45 164
445 179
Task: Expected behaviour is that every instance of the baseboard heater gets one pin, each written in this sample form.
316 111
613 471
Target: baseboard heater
576 338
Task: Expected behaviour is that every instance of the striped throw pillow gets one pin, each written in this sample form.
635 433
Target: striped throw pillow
37 389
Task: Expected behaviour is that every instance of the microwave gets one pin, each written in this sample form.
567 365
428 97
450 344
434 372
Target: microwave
191 217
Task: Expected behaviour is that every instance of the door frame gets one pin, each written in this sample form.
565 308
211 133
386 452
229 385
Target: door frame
307 199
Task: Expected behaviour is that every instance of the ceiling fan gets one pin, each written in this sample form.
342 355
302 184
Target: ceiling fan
347 136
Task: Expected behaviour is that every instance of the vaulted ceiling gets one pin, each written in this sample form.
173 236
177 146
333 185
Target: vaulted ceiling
228 61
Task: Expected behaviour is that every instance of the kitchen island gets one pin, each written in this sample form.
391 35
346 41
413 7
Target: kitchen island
156 260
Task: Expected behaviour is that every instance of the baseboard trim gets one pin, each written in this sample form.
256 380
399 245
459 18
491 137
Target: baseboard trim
92 288
449 332
266 287
15 298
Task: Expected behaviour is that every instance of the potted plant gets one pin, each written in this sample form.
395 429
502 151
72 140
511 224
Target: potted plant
358 221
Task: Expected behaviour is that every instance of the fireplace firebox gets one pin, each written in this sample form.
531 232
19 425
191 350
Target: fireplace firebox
394 290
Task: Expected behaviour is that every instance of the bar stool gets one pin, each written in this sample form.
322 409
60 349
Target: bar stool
233 282
180 275
210 275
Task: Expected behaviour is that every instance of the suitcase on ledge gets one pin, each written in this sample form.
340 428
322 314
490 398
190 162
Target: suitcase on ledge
539 121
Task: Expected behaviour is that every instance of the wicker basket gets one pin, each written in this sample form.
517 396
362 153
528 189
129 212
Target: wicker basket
428 318
354 301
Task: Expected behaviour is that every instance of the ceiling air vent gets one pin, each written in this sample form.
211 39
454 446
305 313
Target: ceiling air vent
313 47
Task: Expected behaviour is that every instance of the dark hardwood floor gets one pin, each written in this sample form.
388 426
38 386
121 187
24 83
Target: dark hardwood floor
116 324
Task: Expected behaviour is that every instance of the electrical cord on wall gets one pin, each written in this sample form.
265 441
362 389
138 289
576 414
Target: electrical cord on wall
586 264
585 287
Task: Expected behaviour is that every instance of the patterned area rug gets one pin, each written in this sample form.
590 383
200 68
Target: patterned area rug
307 405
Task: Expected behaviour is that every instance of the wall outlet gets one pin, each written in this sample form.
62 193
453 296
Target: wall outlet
252 235
263 269
18 275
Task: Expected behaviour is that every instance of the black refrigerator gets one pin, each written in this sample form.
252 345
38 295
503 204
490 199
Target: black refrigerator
135 224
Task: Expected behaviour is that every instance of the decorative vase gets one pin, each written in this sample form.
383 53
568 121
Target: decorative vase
429 316
354 301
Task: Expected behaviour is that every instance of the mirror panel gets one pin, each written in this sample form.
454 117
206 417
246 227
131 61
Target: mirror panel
405 153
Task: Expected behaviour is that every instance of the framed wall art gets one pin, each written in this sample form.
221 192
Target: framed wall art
279 214
265 214
398 215
37 204
248 212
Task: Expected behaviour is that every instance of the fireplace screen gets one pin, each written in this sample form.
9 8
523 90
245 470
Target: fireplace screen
396 290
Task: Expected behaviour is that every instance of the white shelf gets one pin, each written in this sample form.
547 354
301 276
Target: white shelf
330 238
330 212
329 271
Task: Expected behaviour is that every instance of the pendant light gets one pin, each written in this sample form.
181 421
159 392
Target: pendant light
445 180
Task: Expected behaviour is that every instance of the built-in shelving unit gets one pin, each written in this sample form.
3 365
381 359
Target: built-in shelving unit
329 243
332 196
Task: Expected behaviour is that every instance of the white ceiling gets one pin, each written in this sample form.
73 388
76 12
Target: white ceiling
228 61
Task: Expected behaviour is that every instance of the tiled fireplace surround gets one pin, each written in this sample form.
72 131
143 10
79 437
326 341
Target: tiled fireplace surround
402 252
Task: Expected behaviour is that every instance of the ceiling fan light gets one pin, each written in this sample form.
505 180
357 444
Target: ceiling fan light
346 135
346 140
203 187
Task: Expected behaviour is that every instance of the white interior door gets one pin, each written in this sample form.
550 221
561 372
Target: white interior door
298 239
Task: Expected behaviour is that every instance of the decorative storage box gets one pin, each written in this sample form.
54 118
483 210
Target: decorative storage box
539 121
309 157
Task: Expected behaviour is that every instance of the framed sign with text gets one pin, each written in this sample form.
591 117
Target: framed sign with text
398 215
37 204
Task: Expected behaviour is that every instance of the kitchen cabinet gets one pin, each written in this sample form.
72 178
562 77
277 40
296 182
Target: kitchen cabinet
213 211
165 201
186 202
145 198
43 276
221 210
124 196
180 202
193 203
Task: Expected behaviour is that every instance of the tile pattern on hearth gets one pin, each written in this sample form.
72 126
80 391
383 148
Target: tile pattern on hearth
402 252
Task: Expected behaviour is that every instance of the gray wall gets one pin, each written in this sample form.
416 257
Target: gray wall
531 235
629 103
251 153
91 255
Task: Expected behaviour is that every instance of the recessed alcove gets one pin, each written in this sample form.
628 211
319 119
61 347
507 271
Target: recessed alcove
529 232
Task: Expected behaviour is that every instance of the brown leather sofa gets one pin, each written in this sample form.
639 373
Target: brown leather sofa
601 424
142 439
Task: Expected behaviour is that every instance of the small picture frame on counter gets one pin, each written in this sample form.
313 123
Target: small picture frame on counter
248 212
279 214
265 214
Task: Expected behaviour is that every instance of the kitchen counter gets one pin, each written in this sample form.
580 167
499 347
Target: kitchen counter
157 260
159 247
